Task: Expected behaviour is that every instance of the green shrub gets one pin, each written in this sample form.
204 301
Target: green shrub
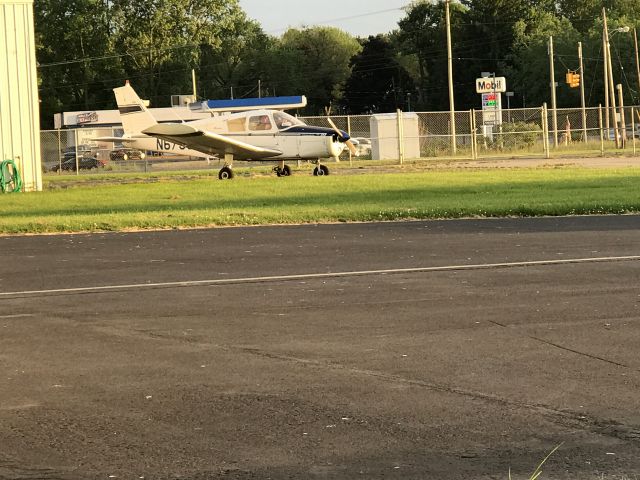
513 136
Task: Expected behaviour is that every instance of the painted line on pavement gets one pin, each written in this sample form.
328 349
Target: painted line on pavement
315 276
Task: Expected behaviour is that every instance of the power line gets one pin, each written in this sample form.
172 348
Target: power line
119 55
351 17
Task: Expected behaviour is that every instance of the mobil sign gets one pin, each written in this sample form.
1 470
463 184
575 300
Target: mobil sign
491 85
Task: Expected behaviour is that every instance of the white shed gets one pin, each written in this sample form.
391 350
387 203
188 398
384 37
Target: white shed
19 106
384 136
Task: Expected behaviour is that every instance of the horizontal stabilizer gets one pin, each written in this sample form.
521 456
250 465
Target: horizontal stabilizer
113 139
173 129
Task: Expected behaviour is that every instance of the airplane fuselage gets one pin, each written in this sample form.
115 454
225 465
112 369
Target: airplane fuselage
295 142
152 144
279 131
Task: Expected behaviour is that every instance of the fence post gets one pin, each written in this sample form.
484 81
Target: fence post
75 139
400 137
633 129
59 153
472 127
545 131
584 122
601 129
349 132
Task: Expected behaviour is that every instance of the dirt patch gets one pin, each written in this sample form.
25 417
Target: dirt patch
245 169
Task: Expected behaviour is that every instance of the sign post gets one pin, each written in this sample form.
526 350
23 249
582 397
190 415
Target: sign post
491 89
492 108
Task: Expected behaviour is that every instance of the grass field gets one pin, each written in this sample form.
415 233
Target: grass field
120 202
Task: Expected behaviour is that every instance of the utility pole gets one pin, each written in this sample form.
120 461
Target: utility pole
582 103
612 88
635 41
553 94
606 80
452 108
193 81
259 88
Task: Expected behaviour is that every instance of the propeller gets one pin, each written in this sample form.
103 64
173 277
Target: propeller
342 138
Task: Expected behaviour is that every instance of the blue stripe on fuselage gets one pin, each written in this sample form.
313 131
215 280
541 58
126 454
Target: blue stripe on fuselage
310 130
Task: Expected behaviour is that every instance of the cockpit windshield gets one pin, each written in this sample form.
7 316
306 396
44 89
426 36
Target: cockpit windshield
284 120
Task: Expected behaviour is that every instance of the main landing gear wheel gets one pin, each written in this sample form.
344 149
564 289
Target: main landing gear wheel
225 173
282 172
321 171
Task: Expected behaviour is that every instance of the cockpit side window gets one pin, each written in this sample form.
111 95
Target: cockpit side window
284 120
259 122
235 125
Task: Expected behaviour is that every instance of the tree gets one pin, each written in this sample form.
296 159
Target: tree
314 62
238 62
528 65
491 25
422 35
583 13
75 56
378 83
162 40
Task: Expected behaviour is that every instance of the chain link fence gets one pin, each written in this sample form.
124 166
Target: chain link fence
81 150
394 137
478 134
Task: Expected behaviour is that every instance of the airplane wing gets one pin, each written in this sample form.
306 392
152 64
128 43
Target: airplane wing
209 142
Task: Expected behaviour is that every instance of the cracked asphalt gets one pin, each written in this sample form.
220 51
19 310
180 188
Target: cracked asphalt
459 349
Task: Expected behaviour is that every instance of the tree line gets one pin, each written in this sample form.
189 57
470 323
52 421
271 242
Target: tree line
85 48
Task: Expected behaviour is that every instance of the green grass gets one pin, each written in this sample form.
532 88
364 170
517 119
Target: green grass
120 202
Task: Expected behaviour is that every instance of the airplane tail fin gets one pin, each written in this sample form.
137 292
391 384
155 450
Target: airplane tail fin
133 112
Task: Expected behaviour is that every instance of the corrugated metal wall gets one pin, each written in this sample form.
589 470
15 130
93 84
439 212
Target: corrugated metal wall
19 107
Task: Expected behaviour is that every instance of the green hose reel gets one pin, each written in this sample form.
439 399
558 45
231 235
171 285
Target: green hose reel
10 181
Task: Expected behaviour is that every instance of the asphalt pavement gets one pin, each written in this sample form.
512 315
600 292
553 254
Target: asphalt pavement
460 349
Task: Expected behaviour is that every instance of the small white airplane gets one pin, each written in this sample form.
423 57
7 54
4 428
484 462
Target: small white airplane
260 135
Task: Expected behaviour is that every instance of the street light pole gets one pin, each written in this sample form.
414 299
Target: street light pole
553 94
452 108
635 42
606 81
582 102
612 88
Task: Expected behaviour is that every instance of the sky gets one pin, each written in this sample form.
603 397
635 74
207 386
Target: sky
358 17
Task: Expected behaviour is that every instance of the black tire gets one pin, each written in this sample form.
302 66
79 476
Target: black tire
321 171
225 173
286 171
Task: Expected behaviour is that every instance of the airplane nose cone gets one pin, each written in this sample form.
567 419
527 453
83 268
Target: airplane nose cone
335 147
